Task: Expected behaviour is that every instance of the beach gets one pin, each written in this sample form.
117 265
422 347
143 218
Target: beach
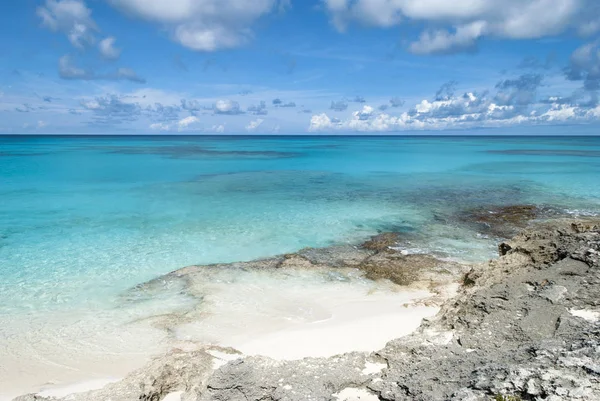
543 287
276 233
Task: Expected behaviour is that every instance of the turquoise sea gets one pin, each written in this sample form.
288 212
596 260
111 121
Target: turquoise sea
83 219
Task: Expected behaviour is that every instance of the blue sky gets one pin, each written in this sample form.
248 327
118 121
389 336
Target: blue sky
297 66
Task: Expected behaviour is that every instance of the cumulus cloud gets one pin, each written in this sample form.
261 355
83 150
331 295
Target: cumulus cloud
364 114
519 91
68 70
378 122
396 102
254 125
463 22
227 107
321 122
218 128
193 106
71 17
160 127
162 113
259 109
446 91
203 25
280 103
108 50
463 38
339 106
111 109
512 102
584 65
186 122
126 74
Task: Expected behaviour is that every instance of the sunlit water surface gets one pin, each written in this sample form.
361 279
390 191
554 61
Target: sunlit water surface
84 219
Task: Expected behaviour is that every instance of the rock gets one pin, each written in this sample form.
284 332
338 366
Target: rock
258 378
408 269
500 221
503 249
381 242
32 397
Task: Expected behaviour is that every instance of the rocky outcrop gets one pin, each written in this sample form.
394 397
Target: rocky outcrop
500 221
525 325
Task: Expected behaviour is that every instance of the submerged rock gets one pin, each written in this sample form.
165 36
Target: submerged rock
501 221
382 242
527 325
407 270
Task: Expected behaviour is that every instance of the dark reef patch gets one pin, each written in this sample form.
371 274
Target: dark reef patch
21 153
547 152
500 221
185 152
382 242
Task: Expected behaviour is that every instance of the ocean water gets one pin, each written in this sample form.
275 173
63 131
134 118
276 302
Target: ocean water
84 219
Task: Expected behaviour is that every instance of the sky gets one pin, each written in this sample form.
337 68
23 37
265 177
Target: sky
299 66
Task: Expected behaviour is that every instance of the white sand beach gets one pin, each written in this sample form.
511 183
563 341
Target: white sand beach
284 316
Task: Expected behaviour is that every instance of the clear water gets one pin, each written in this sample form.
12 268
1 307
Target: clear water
83 219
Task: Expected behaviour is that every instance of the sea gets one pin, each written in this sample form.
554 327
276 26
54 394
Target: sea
84 219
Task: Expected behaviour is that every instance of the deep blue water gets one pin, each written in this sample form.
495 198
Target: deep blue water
84 218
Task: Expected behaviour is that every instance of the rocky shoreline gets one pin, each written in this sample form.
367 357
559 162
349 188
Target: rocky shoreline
526 325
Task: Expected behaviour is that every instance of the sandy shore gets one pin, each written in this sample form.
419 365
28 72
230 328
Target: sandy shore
358 326
284 315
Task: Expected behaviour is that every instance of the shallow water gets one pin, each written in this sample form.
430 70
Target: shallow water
83 219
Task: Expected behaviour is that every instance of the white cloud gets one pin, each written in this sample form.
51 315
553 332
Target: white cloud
160 127
108 50
465 21
470 110
227 107
320 122
464 38
68 70
203 25
71 17
182 125
186 122
585 66
220 128
254 125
